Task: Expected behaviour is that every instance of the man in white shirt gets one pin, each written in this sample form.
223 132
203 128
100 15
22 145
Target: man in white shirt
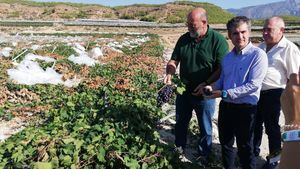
284 59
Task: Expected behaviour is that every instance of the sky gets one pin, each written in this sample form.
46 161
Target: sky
225 4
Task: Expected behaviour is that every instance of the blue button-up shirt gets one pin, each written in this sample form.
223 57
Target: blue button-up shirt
242 75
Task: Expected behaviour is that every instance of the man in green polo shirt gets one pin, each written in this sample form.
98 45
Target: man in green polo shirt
199 52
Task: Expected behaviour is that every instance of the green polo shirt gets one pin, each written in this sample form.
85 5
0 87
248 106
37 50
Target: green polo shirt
199 60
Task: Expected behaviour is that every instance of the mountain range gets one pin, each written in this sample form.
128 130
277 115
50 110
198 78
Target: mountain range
287 7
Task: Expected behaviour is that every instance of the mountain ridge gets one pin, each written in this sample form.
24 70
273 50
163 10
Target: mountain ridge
282 8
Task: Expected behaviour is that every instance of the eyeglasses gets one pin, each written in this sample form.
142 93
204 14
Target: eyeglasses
270 29
192 24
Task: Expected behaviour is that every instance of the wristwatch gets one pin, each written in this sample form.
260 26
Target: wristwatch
291 135
224 94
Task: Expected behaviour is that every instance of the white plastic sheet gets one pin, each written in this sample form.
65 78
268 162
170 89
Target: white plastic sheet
95 53
29 72
72 82
33 57
35 47
82 60
82 56
5 51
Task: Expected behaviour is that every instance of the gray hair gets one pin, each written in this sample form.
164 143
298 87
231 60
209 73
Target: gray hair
278 20
237 21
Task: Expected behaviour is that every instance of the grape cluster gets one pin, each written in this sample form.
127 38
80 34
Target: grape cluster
164 95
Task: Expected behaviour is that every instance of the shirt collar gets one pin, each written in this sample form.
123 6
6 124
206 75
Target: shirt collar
282 42
244 50
207 32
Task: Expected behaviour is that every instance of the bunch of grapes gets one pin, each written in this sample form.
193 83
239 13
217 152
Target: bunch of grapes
164 95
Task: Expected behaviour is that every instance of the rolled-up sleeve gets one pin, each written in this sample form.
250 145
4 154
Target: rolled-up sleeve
292 61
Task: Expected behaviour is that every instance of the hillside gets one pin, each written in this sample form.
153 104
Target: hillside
287 7
174 12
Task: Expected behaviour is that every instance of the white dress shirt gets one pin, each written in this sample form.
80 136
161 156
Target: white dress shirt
283 59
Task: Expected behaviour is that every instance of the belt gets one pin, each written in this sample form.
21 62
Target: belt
237 105
271 90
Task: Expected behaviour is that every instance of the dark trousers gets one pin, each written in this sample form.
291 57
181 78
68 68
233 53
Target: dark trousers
237 121
185 104
268 112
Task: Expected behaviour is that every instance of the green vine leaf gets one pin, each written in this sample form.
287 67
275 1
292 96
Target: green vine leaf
42 165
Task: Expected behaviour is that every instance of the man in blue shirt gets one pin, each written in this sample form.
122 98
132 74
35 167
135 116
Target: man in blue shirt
243 70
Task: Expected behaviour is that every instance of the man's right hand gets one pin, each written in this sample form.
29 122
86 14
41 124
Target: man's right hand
168 79
170 70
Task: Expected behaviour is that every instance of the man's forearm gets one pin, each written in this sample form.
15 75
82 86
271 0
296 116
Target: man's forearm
171 67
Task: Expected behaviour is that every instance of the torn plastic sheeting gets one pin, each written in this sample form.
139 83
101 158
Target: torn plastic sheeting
115 45
80 52
136 41
32 57
5 51
115 49
83 59
30 73
35 47
95 53
14 44
72 82
130 43
7 131
79 49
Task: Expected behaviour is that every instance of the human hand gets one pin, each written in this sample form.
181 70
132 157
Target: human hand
168 79
212 94
290 100
198 91
207 90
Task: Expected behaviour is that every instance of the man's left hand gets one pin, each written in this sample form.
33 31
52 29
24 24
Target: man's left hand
199 89
214 94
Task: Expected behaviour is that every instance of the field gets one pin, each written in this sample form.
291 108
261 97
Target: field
106 120
99 114
98 111
80 92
